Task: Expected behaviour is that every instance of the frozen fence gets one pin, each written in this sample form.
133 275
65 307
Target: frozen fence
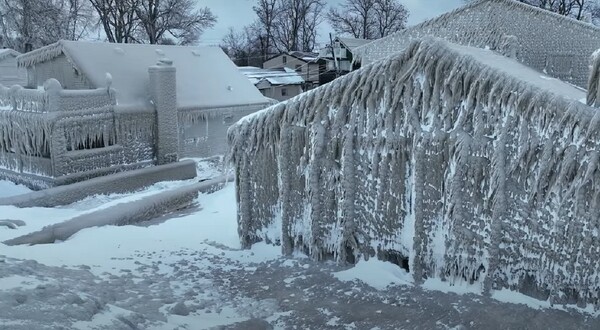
436 160
41 128
17 98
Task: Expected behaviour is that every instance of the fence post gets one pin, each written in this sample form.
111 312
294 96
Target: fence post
163 94
593 92
14 90
52 87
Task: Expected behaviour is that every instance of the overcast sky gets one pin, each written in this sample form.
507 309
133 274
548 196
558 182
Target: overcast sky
238 13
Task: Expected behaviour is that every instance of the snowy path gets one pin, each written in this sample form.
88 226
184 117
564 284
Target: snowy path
188 273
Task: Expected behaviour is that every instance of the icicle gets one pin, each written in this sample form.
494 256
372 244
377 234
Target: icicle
40 55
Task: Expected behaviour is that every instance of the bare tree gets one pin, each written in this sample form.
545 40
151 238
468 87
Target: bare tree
313 18
177 18
266 11
577 9
281 25
368 19
118 19
390 17
78 18
354 17
296 24
235 44
26 24
152 21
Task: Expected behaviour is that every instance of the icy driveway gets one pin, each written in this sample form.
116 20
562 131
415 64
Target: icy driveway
188 273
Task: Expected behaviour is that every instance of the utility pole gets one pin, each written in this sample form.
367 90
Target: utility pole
335 64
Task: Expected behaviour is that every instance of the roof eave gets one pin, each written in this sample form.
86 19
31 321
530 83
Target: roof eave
40 55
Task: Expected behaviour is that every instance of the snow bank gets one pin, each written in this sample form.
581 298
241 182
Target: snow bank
111 184
8 188
122 214
436 158
376 273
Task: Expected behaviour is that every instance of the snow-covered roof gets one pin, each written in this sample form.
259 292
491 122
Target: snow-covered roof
278 76
352 43
303 56
206 77
4 53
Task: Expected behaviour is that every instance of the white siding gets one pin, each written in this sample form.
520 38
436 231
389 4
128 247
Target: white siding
10 74
60 69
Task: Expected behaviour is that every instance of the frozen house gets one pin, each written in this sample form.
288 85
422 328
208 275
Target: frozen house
279 84
90 109
305 63
462 164
10 74
343 61
554 44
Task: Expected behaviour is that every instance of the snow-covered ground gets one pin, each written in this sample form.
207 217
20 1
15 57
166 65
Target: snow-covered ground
187 271
8 188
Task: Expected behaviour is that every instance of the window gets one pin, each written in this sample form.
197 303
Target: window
298 67
284 59
284 92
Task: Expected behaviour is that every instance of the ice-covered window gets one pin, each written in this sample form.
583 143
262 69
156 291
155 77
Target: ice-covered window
284 92
284 59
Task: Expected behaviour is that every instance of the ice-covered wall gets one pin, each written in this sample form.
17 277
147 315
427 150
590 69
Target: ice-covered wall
10 74
203 132
435 160
58 68
548 42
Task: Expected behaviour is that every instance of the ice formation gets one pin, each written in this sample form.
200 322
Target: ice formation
439 159
546 41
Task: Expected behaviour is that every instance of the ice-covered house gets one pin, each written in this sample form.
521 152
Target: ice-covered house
279 84
338 59
10 74
90 109
456 163
551 43
305 63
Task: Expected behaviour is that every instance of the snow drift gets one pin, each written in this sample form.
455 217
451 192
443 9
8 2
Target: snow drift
450 161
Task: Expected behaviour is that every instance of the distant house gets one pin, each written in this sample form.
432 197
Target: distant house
279 84
10 74
305 63
338 59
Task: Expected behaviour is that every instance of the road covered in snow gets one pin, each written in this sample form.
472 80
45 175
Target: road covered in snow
187 271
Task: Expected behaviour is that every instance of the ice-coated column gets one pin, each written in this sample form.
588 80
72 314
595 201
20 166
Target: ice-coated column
163 93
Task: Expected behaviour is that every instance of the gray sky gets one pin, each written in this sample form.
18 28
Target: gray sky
238 13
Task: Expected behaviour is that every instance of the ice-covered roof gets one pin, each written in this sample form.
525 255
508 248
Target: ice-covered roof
4 53
206 77
278 76
352 43
305 56
518 71
486 30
